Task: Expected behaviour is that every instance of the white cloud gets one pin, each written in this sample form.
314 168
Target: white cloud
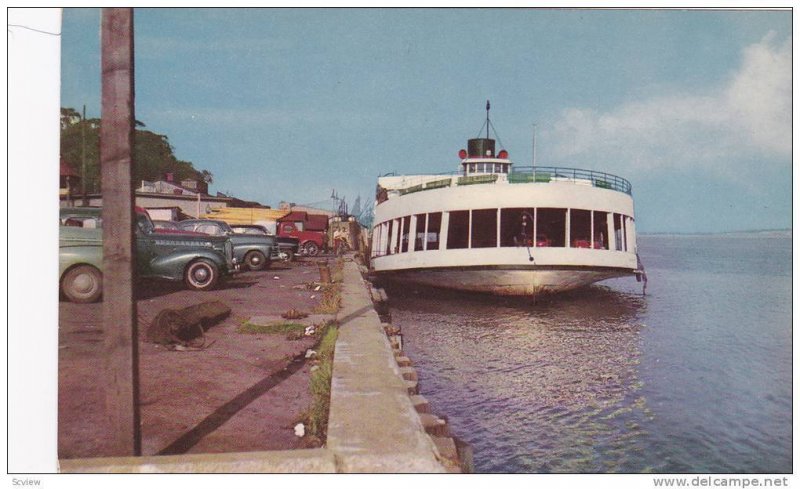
749 114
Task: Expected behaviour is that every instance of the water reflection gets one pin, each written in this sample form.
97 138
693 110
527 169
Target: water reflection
550 386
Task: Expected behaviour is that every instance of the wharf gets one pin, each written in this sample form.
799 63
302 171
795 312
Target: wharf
373 425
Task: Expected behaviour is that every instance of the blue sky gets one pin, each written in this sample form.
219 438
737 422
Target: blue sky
693 107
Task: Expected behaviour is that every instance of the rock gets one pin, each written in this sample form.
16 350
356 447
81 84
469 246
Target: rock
310 354
314 368
299 430
421 404
310 330
408 373
294 314
434 425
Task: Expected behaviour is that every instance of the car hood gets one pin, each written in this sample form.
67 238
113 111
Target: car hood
178 231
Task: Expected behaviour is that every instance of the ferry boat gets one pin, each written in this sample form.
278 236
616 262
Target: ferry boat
492 227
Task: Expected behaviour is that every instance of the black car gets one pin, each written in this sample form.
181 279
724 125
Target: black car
254 251
287 247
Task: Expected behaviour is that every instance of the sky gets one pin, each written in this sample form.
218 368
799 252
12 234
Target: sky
692 107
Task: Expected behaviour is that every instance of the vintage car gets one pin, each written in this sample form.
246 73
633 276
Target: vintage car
254 251
288 247
200 261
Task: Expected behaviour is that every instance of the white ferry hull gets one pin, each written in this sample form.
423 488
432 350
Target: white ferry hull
507 282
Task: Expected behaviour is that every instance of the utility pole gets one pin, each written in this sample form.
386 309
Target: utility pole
116 158
84 199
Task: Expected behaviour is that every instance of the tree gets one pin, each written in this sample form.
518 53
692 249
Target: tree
153 154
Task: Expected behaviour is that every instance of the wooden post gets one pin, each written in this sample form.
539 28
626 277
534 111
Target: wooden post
119 308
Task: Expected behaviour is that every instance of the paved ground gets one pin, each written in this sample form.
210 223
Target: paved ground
236 395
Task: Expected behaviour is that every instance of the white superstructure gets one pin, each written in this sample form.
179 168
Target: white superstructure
493 228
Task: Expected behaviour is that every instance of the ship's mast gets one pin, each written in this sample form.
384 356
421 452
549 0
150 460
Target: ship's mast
487 119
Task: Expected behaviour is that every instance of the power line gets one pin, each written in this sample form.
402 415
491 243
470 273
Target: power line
34 30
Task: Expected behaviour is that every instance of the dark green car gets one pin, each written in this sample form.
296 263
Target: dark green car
254 251
200 261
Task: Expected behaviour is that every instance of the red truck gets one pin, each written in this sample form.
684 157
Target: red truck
310 229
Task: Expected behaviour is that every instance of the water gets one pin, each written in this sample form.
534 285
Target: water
694 377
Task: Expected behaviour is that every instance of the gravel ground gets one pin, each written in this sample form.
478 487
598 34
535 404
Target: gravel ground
235 395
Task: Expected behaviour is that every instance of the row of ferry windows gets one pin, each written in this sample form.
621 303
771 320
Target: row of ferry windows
487 168
490 228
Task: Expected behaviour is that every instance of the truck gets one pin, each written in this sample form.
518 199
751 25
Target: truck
310 229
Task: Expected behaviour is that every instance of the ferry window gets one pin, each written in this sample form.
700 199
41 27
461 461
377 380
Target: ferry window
434 228
472 167
484 228
551 227
516 227
420 232
600 230
458 230
618 235
580 228
390 238
406 227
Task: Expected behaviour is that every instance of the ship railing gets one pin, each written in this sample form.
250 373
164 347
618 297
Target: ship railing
523 174
547 174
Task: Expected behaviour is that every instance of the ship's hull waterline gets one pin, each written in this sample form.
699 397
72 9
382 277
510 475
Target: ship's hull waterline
505 281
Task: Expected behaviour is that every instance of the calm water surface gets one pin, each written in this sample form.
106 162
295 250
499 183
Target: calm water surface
693 377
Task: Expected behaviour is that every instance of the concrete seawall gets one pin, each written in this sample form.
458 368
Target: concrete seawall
374 425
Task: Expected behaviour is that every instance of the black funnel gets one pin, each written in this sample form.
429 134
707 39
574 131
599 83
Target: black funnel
480 148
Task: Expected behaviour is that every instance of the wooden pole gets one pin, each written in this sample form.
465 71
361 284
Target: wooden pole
84 198
119 308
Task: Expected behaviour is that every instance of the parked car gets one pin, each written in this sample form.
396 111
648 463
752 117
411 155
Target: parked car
199 261
254 251
161 224
288 247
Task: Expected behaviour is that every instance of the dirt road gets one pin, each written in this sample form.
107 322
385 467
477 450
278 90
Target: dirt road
235 395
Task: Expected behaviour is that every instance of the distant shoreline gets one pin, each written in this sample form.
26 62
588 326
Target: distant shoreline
757 233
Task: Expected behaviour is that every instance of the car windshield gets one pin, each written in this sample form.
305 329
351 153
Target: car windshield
165 225
144 222
242 230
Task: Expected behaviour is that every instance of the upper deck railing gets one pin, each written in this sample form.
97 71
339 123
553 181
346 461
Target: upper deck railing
544 174
523 174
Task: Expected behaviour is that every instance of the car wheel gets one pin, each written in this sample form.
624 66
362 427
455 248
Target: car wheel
312 249
201 274
255 260
287 255
83 284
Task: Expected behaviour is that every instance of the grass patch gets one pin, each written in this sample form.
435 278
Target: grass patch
331 299
274 328
317 416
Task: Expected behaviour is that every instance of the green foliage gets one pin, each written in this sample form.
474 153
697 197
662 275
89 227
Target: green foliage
153 155
279 327
317 416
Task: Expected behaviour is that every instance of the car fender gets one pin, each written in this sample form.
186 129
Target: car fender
71 256
171 266
240 250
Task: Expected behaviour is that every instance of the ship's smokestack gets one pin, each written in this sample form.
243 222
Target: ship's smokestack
481 148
